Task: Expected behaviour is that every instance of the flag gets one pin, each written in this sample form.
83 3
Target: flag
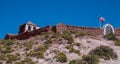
102 19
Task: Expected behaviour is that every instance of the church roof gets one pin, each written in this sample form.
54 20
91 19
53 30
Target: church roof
30 23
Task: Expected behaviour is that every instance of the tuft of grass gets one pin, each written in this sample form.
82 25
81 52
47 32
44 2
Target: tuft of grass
26 61
90 59
68 36
86 59
49 41
39 52
117 42
110 36
77 44
71 49
61 57
2 57
104 52
11 58
28 44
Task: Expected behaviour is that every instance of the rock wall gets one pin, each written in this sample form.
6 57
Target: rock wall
117 31
59 28
94 31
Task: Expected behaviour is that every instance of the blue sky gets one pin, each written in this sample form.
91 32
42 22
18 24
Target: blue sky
13 13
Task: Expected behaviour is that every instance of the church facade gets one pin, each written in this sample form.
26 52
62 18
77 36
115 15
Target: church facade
30 29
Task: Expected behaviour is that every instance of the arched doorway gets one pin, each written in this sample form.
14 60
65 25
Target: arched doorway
108 28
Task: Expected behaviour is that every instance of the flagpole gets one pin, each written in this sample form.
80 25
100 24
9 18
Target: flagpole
100 23
101 20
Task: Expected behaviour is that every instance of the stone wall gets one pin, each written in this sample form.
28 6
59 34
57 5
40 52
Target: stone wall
117 31
94 31
59 28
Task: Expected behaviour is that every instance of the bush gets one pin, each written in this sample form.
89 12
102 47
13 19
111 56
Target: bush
37 54
28 44
77 44
26 61
68 36
2 56
71 49
11 58
49 41
8 42
117 42
46 46
61 57
91 59
104 52
110 36
6 50
42 48
78 62
86 59
1 62
58 35
72 62
19 63
81 34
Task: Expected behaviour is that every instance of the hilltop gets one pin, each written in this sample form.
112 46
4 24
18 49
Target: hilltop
67 47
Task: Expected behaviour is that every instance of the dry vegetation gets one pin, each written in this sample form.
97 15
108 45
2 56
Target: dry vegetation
60 48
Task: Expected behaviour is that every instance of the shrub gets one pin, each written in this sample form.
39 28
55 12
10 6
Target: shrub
56 51
1 42
61 57
91 59
46 46
42 48
77 44
81 34
68 36
110 36
71 49
28 48
37 54
117 42
17 54
58 35
6 50
28 61
2 56
104 52
49 41
19 63
1 62
11 58
78 62
28 44
8 42
72 62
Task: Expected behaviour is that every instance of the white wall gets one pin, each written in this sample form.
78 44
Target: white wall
26 28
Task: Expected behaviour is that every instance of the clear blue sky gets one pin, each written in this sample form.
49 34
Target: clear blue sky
13 13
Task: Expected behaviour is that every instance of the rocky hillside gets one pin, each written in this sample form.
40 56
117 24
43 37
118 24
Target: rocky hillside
61 48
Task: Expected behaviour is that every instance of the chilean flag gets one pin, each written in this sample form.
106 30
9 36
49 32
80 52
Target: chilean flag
102 19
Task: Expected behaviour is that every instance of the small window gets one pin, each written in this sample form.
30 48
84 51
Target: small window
34 28
29 28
